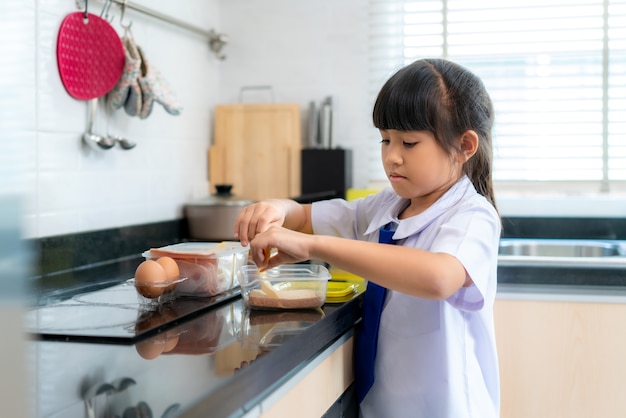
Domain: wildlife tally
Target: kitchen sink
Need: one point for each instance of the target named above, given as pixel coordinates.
(562, 252)
(559, 248)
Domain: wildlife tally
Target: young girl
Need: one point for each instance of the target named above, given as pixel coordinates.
(436, 353)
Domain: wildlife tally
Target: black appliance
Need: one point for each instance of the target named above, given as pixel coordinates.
(325, 174)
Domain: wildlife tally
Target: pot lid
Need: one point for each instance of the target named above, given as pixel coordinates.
(223, 196)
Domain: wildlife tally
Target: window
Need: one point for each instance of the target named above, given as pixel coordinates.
(555, 69)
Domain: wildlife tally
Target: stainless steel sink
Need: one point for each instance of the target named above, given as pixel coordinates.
(563, 252)
(559, 248)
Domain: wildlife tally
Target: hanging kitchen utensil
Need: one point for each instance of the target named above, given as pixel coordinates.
(134, 103)
(90, 55)
(90, 137)
(127, 92)
(154, 88)
(124, 143)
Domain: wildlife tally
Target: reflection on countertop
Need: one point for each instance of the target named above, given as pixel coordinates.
(227, 357)
(116, 314)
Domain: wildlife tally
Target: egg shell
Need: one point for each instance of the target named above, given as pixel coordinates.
(150, 349)
(150, 278)
(172, 272)
(170, 343)
(153, 347)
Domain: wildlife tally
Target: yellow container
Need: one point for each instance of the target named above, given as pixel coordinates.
(343, 286)
(353, 194)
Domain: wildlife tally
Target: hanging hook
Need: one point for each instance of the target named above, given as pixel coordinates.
(104, 13)
(127, 26)
(86, 14)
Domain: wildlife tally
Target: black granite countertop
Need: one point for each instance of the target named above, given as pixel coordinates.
(97, 350)
(217, 362)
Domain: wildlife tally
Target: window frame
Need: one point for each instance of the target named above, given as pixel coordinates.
(572, 195)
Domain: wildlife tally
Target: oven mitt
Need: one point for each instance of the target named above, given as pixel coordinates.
(120, 95)
(133, 103)
(154, 88)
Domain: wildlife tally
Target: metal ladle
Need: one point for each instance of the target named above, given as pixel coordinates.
(89, 136)
(123, 142)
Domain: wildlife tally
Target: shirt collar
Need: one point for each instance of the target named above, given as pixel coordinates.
(415, 224)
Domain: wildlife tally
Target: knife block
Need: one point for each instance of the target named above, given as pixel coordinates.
(326, 173)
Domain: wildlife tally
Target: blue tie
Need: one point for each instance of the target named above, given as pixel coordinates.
(366, 338)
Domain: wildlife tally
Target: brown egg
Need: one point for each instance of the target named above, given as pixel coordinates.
(150, 348)
(172, 271)
(170, 343)
(149, 279)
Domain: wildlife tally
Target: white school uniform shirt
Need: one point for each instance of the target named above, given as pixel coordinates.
(436, 358)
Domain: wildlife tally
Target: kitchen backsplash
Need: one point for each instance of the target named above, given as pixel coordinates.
(305, 50)
(71, 188)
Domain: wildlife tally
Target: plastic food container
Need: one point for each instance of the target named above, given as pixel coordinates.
(205, 334)
(206, 268)
(297, 286)
(267, 329)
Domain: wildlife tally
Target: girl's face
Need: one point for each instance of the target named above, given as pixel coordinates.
(418, 167)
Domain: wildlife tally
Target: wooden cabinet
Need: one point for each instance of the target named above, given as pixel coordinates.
(257, 150)
(561, 359)
(312, 392)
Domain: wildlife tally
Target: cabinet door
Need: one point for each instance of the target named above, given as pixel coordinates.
(313, 391)
(257, 150)
(561, 359)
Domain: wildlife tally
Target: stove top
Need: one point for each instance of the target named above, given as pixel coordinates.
(115, 315)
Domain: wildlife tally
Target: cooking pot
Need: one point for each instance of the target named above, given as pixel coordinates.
(213, 218)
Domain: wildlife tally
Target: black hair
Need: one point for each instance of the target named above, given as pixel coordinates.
(446, 99)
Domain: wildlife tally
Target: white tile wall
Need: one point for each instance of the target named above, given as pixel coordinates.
(71, 188)
(305, 50)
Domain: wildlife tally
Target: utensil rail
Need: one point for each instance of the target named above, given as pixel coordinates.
(209, 34)
(216, 40)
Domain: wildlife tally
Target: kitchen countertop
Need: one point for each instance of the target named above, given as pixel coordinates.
(221, 363)
(225, 360)
(562, 293)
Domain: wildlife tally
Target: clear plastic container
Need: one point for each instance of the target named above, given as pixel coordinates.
(206, 268)
(268, 329)
(289, 286)
(205, 334)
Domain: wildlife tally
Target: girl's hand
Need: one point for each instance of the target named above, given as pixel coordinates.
(292, 247)
(257, 218)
